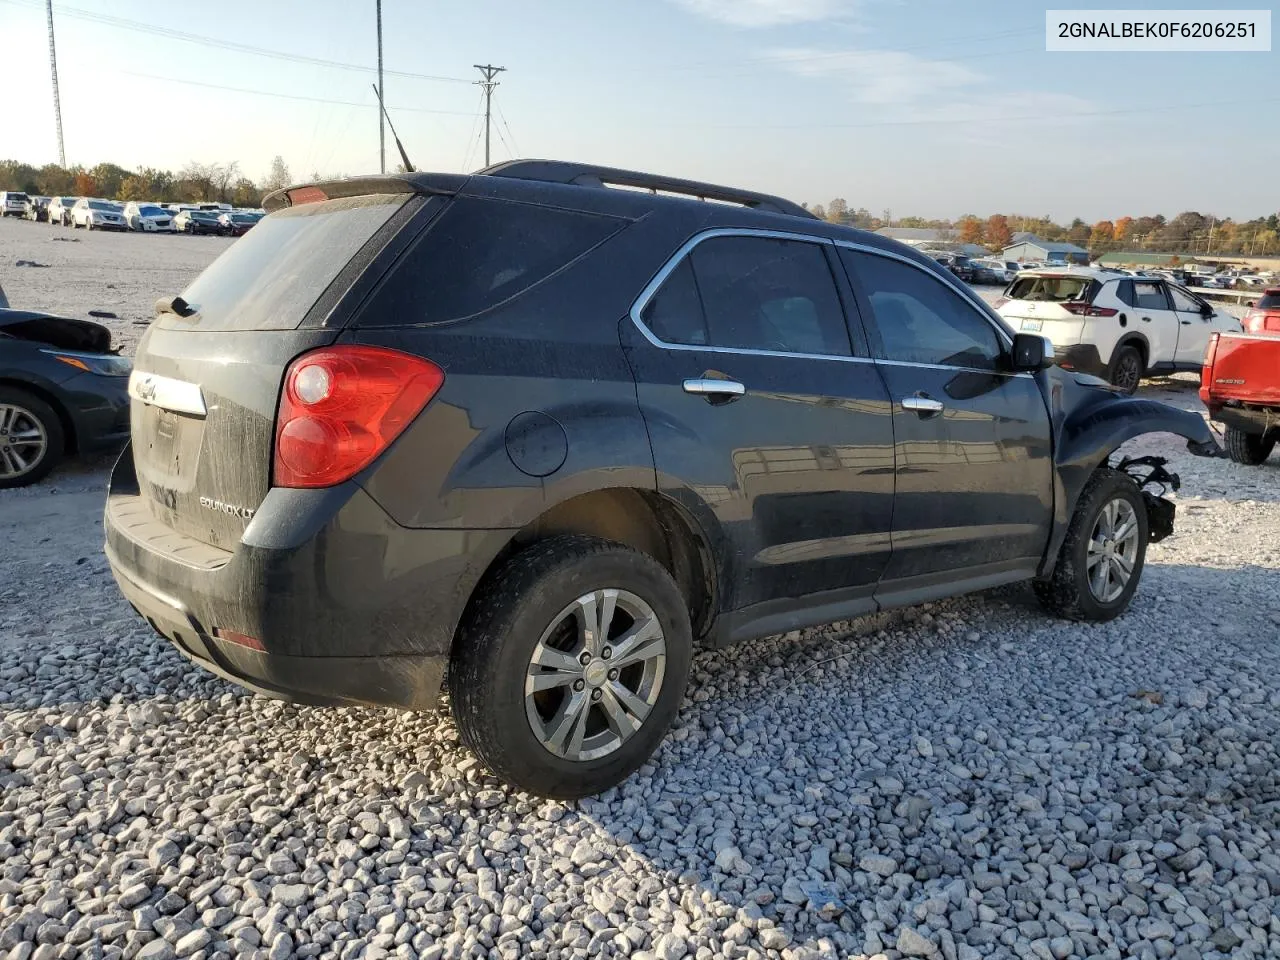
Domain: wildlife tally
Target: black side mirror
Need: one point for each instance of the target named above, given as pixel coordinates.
(1031, 352)
(1206, 311)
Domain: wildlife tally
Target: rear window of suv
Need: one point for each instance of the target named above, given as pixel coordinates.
(1052, 289)
(276, 272)
(1269, 301)
(480, 253)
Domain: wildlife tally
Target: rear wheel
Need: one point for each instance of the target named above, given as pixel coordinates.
(570, 666)
(1126, 369)
(1250, 449)
(31, 438)
(1101, 560)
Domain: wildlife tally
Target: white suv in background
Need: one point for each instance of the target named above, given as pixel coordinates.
(148, 218)
(1113, 326)
(97, 215)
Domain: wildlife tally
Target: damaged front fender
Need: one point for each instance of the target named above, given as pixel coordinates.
(1090, 421)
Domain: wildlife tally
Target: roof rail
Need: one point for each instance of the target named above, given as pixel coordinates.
(589, 175)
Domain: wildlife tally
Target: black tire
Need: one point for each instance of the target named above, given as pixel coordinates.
(1126, 369)
(55, 438)
(1067, 592)
(505, 623)
(1251, 449)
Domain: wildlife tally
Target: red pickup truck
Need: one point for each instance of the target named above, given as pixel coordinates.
(1240, 384)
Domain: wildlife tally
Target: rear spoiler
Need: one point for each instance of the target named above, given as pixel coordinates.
(445, 184)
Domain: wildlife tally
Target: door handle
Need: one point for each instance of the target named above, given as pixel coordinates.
(923, 405)
(714, 389)
(1146, 319)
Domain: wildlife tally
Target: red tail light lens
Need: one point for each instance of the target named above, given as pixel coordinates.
(306, 195)
(342, 406)
(1206, 370)
(1082, 308)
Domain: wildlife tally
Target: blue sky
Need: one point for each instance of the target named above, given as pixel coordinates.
(922, 107)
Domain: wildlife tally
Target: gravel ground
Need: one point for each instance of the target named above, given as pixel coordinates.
(963, 779)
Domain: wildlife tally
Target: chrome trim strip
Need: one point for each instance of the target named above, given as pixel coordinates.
(178, 396)
(709, 387)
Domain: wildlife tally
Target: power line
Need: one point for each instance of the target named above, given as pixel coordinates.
(488, 83)
(290, 96)
(168, 33)
(503, 117)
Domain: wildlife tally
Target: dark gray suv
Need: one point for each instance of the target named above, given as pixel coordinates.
(533, 439)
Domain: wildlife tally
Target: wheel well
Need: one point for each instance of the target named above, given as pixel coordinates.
(1139, 342)
(71, 445)
(642, 520)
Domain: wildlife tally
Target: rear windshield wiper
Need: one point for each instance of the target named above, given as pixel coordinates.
(175, 305)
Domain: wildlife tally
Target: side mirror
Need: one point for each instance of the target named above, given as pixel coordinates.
(1206, 311)
(1031, 352)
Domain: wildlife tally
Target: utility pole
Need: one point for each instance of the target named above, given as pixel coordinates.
(488, 83)
(382, 128)
(57, 102)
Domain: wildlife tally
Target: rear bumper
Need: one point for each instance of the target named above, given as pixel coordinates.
(1080, 358)
(407, 682)
(349, 606)
(1256, 420)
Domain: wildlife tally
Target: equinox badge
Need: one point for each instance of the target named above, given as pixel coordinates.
(231, 509)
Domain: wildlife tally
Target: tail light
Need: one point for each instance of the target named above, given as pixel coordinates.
(342, 406)
(1206, 369)
(1082, 308)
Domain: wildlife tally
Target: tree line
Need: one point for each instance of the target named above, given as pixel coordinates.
(1188, 233)
(195, 183)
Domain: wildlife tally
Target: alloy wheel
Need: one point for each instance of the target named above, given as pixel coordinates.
(1113, 550)
(595, 675)
(23, 441)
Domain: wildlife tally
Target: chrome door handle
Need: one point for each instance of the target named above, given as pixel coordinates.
(709, 387)
(922, 405)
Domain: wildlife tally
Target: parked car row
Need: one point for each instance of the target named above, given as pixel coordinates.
(140, 216)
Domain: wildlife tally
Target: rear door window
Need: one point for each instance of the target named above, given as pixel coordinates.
(275, 273)
(481, 253)
(752, 293)
(1149, 296)
(1269, 301)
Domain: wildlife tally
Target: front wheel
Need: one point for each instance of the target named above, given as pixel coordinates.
(1251, 449)
(1126, 370)
(1101, 560)
(570, 666)
(31, 438)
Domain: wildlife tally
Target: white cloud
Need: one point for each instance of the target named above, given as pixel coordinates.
(907, 88)
(769, 13)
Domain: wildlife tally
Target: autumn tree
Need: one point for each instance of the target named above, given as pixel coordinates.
(278, 177)
(1121, 229)
(109, 177)
(837, 211)
(970, 229)
(997, 232)
(85, 185)
(1104, 231)
(134, 188)
(245, 193)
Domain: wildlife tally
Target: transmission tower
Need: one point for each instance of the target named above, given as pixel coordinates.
(57, 102)
(488, 83)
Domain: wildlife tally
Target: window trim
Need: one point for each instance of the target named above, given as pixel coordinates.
(651, 289)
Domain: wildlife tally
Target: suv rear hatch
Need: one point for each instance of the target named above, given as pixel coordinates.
(1054, 304)
(208, 372)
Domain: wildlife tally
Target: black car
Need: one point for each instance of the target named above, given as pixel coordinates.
(536, 439)
(37, 209)
(198, 222)
(62, 390)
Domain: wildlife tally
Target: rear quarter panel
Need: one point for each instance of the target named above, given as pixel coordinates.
(1242, 367)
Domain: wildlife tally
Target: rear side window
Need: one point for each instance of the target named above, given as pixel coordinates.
(1149, 296)
(1051, 289)
(480, 253)
(271, 277)
(1124, 292)
(1269, 301)
(752, 293)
